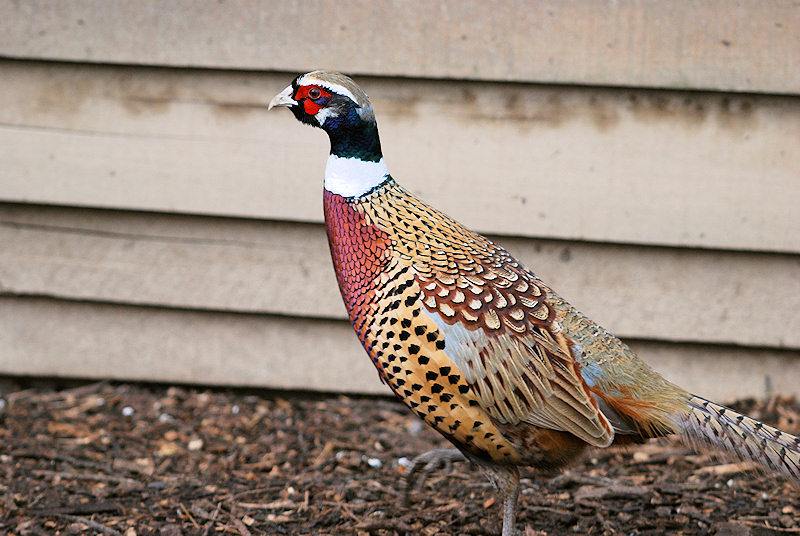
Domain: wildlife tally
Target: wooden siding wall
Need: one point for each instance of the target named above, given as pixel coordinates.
(157, 223)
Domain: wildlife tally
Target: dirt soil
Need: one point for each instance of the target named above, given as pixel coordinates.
(135, 460)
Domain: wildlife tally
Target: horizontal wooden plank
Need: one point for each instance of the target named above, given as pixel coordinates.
(751, 45)
(57, 338)
(285, 268)
(700, 170)
(54, 338)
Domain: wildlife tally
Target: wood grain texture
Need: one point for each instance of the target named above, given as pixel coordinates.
(60, 338)
(696, 170)
(284, 268)
(750, 45)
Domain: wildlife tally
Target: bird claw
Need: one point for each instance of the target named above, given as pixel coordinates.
(426, 463)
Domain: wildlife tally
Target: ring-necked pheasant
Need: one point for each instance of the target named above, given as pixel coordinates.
(473, 342)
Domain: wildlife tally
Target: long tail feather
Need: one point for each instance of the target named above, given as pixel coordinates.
(740, 436)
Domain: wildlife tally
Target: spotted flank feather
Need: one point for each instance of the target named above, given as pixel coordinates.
(742, 437)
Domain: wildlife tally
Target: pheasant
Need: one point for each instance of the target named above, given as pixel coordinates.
(474, 342)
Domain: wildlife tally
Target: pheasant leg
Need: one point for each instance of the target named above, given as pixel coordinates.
(510, 511)
(426, 463)
(506, 480)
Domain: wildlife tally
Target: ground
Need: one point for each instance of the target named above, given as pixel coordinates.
(135, 460)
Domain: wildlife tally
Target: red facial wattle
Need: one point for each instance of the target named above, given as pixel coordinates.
(311, 105)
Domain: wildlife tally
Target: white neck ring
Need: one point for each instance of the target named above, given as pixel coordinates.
(352, 177)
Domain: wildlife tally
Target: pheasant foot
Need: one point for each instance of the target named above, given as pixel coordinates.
(426, 463)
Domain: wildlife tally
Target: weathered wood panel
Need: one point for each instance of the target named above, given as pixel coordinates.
(57, 338)
(285, 268)
(750, 45)
(700, 170)
(54, 338)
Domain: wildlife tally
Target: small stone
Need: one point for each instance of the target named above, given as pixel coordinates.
(375, 463)
(167, 448)
(415, 427)
(127, 411)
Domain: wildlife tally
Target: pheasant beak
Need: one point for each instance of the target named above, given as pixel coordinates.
(284, 98)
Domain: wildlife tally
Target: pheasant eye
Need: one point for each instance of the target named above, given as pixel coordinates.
(314, 93)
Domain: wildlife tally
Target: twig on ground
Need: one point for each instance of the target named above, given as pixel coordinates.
(93, 524)
(87, 476)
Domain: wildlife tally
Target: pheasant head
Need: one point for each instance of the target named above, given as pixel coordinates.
(333, 102)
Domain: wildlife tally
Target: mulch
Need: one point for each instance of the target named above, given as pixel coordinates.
(126, 459)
